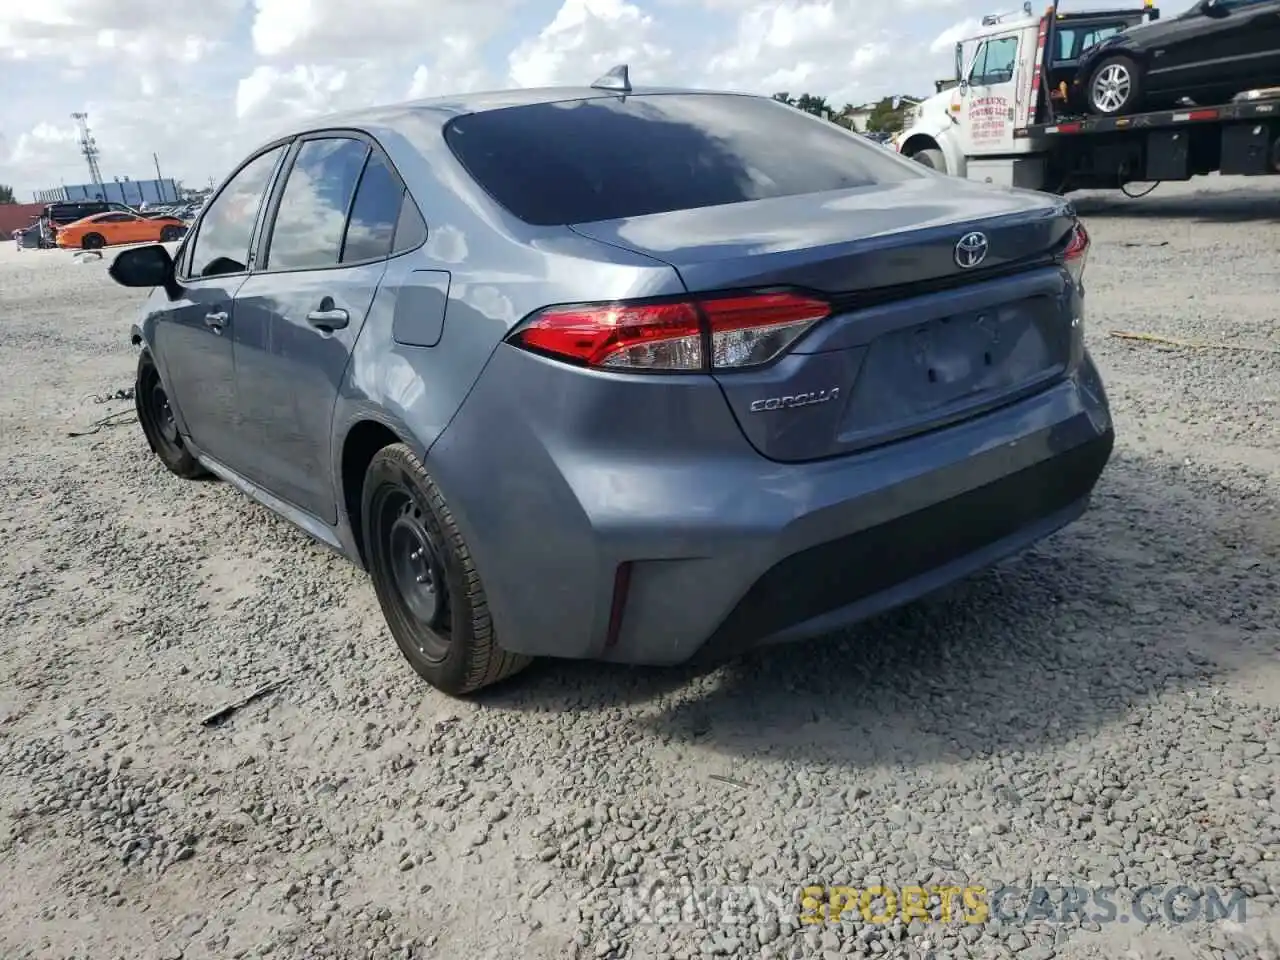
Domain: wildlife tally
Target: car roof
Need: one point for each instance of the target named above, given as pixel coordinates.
(445, 108)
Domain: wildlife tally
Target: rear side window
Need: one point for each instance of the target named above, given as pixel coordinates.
(372, 226)
(312, 217)
(1072, 42)
(585, 160)
(411, 229)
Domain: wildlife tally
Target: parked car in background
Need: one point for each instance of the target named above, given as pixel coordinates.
(69, 211)
(563, 392)
(115, 227)
(1208, 54)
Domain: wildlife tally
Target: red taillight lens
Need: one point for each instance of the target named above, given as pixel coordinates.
(656, 336)
(1077, 251)
(744, 330)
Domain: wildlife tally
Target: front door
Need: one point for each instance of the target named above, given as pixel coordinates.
(1216, 51)
(193, 339)
(300, 312)
(989, 98)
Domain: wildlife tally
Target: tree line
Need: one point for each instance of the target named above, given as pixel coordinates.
(887, 115)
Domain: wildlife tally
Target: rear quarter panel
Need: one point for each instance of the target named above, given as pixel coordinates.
(495, 269)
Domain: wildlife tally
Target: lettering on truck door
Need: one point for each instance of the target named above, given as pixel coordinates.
(988, 101)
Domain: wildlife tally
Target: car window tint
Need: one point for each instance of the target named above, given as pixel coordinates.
(578, 161)
(411, 229)
(222, 242)
(373, 214)
(313, 208)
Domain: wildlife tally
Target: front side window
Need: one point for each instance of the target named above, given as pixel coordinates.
(995, 62)
(222, 243)
(312, 217)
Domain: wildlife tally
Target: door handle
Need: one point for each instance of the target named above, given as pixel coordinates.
(216, 321)
(334, 319)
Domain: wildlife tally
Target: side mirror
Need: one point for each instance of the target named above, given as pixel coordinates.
(963, 86)
(149, 266)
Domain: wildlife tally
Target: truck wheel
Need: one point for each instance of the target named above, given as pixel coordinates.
(1115, 87)
(932, 158)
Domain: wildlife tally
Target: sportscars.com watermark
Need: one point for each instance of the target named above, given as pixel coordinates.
(669, 905)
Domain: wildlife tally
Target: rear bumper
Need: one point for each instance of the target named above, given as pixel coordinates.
(727, 550)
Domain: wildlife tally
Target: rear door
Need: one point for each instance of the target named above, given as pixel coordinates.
(1195, 52)
(1253, 47)
(192, 339)
(990, 96)
(299, 314)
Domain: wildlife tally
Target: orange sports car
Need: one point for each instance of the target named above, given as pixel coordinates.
(106, 229)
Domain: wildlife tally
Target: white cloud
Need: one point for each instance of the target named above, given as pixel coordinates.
(585, 39)
(283, 95)
(949, 37)
(323, 29)
(199, 81)
(457, 69)
(90, 31)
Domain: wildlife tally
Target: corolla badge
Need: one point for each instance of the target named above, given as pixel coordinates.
(971, 250)
(795, 400)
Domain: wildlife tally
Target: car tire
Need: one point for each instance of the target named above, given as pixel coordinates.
(1115, 87)
(155, 414)
(92, 241)
(426, 582)
(168, 234)
(931, 157)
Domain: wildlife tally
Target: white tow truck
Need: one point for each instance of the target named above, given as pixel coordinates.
(1004, 120)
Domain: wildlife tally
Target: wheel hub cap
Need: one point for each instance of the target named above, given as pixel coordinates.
(1111, 89)
(164, 416)
(416, 569)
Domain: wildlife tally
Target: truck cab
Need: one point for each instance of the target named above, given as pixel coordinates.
(967, 128)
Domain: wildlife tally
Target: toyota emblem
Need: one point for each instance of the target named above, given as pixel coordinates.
(971, 250)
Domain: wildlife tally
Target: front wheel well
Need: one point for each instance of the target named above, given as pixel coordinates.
(918, 142)
(363, 440)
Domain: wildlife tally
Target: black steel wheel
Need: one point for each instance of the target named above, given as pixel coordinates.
(159, 425)
(413, 556)
(427, 586)
(92, 241)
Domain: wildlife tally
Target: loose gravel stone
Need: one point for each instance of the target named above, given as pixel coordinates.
(1101, 712)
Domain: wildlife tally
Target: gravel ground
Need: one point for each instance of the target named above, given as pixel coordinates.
(1101, 712)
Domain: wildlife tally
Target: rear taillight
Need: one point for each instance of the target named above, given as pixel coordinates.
(1077, 252)
(697, 334)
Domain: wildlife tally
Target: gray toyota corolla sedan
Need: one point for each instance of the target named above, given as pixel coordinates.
(636, 375)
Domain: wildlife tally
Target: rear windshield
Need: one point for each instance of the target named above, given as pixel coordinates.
(585, 160)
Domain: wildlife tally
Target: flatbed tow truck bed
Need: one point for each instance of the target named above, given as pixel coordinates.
(1155, 119)
(1239, 138)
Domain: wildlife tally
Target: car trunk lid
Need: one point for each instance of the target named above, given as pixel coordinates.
(915, 340)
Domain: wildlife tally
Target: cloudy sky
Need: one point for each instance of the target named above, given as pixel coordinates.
(199, 81)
